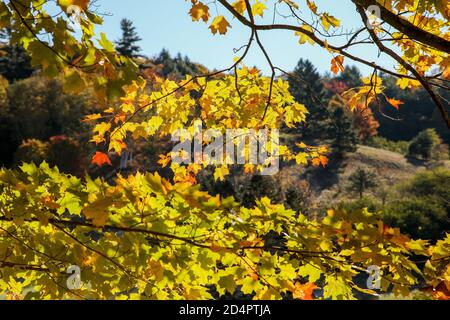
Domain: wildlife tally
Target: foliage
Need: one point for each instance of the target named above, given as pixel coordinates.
(341, 132)
(63, 152)
(423, 209)
(361, 180)
(351, 77)
(417, 217)
(127, 44)
(31, 150)
(365, 202)
(401, 147)
(218, 105)
(418, 113)
(430, 183)
(155, 239)
(297, 199)
(177, 67)
(67, 154)
(258, 187)
(305, 85)
(427, 146)
(145, 237)
(3, 94)
(366, 124)
(15, 63)
(38, 108)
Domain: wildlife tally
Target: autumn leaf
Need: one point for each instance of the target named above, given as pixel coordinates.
(303, 291)
(121, 117)
(303, 38)
(312, 6)
(98, 211)
(258, 9)
(328, 20)
(220, 173)
(249, 168)
(321, 160)
(337, 64)
(117, 145)
(240, 6)
(395, 103)
(83, 4)
(164, 160)
(219, 24)
(199, 11)
(92, 117)
(100, 159)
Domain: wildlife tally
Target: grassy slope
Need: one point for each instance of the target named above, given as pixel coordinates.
(329, 185)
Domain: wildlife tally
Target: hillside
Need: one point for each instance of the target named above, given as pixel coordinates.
(328, 185)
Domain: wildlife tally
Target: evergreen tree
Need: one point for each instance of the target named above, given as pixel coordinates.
(361, 180)
(341, 132)
(126, 46)
(351, 76)
(15, 63)
(307, 88)
(177, 67)
(258, 187)
(428, 145)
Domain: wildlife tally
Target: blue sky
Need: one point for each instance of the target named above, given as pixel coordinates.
(166, 24)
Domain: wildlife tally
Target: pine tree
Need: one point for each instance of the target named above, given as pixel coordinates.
(15, 63)
(177, 67)
(307, 87)
(126, 46)
(341, 132)
(362, 180)
(351, 77)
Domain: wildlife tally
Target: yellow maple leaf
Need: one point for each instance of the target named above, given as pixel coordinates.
(258, 8)
(92, 117)
(240, 6)
(220, 173)
(219, 24)
(199, 11)
(303, 37)
(164, 160)
(83, 4)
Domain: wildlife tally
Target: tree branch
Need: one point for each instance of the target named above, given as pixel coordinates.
(436, 99)
(407, 28)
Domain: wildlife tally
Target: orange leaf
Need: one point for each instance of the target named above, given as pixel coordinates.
(100, 159)
(249, 168)
(337, 64)
(304, 291)
(395, 103)
(121, 117)
(164, 160)
(321, 160)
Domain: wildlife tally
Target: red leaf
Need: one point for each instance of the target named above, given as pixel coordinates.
(100, 159)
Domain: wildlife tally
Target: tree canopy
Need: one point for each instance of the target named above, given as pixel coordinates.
(148, 237)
